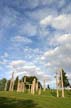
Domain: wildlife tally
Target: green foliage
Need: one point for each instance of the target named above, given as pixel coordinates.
(2, 84)
(65, 79)
(8, 84)
(29, 80)
(48, 86)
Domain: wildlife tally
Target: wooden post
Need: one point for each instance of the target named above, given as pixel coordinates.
(24, 79)
(62, 84)
(33, 86)
(6, 85)
(57, 84)
(39, 91)
(25, 83)
(12, 83)
(36, 86)
(22, 86)
(44, 86)
(18, 87)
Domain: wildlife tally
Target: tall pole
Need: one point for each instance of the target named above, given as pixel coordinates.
(36, 86)
(24, 83)
(6, 85)
(62, 83)
(44, 86)
(12, 83)
(57, 84)
(33, 87)
(24, 79)
(18, 86)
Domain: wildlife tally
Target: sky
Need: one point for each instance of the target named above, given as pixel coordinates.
(35, 38)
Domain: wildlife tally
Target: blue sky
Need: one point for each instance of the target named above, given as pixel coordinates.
(35, 37)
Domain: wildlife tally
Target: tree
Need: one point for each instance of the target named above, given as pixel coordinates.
(48, 87)
(65, 79)
(2, 83)
(29, 80)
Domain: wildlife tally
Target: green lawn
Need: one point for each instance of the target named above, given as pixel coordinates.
(26, 100)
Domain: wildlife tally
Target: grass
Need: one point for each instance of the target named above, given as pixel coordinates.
(26, 100)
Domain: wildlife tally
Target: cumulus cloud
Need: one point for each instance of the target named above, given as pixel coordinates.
(58, 22)
(69, 76)
(60, 56)
(66, 38)
(28, 68)
(60, 39)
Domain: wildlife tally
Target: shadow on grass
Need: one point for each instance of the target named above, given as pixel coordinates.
(12, 103)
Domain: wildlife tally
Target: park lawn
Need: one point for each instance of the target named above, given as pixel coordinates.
(26, 100)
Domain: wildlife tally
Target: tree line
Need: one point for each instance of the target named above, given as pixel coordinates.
(29, 80)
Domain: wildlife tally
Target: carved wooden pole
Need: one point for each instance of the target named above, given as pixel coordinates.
(22, 86)
(6, 85)
(12, 83)
(57, 84)
(39, 91)
(24, 83)
(33, 87)
(62, 83)
(36, 86)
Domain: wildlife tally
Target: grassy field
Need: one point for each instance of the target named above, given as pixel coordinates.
(26, 100)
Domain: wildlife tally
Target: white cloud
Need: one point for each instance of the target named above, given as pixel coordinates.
(60, 39)
(69, 76)
(60, 56)
(32, 54)
(64, 38)
(21, 39)
(47, 20)
(58, 22)
(21, 67)
(17, 63)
